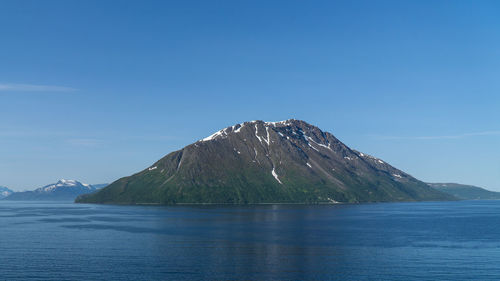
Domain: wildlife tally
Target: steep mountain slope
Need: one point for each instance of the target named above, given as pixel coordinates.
(467, 192)
(62, 190)
(265, 162)
(4, 192)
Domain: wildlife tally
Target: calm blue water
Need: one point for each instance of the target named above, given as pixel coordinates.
(395, 241)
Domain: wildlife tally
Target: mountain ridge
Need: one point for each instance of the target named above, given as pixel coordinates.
(288, 161)
(61, 190)
(465, 191)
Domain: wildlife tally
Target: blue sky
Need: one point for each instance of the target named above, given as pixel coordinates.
(97, 90)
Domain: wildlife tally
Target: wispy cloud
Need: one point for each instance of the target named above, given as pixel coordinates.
(154, 138)
(5, 87)
(85, 142)
(438, 137)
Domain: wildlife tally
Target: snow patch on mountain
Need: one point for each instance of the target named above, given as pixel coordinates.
(237, 128)
(273, 172)
(4, 192)
(64, 184)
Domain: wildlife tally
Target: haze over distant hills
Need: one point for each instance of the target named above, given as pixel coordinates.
(467, 192)
(4, 192)
(61, 190)
(267, 162)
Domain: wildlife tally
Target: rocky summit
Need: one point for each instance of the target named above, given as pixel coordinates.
(266, 162)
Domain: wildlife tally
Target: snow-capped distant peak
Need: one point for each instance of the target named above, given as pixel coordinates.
(4, 192)
(67, 182)
(62, 183)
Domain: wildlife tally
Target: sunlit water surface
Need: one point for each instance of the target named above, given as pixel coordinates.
(394, 241)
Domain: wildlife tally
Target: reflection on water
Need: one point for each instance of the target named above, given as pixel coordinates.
(439, 241)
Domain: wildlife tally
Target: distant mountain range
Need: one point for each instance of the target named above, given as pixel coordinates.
(4, 192)
(267, 162)
(61, 190)
(467, 192)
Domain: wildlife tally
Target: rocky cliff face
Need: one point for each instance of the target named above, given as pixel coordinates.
(267, 162)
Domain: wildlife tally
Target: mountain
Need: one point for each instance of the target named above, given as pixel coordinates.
(100, 185)
(266, 162)
(467, 192)
(62, 190)
(4, 192)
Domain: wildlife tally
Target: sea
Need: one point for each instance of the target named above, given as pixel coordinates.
(382, 241)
